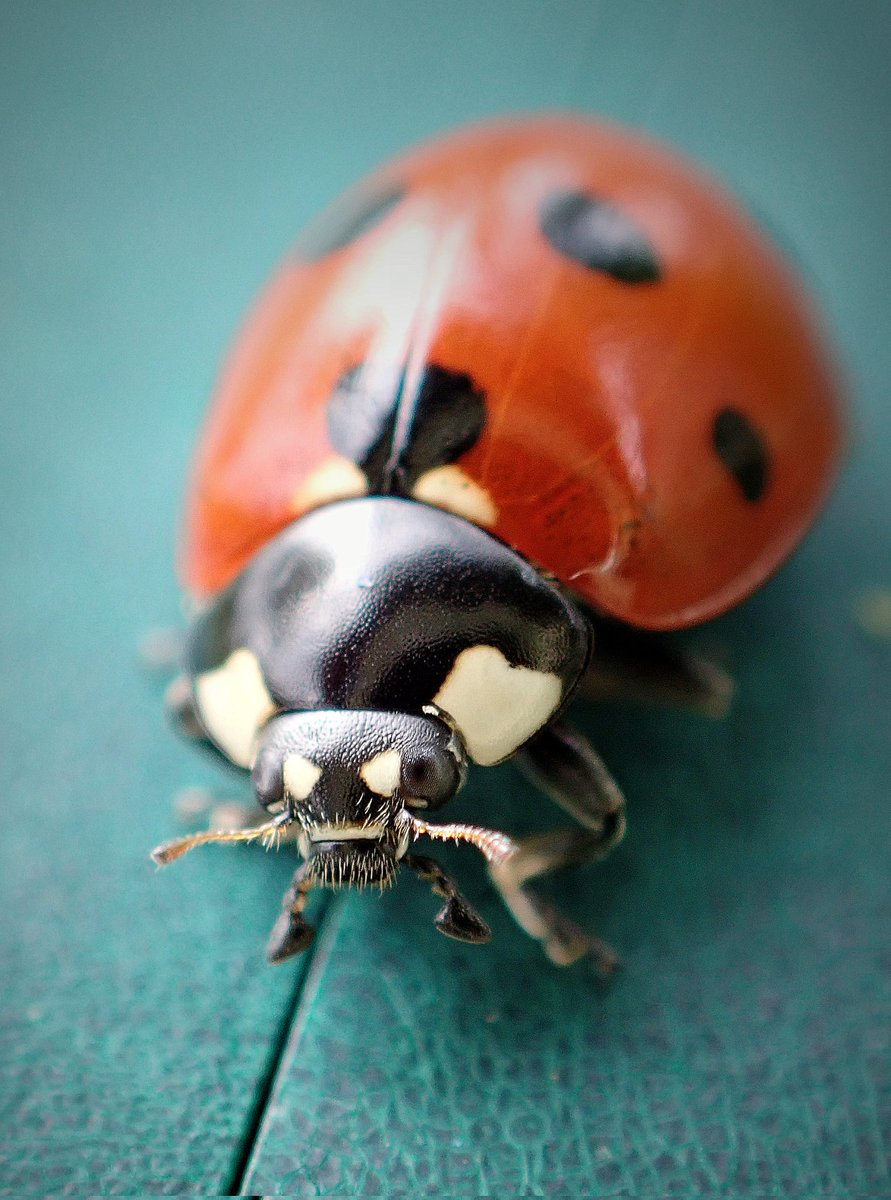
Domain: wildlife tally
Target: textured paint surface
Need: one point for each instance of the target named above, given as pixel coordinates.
(743, 1050)
(156, 163)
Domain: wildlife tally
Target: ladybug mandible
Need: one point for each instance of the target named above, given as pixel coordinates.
(536, 381)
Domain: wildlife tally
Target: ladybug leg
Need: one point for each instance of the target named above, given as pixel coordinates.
(292, 933)
(632, 664)
(457, 918)
(562, 762)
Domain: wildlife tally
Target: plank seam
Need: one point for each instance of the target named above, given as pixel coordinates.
(287, 1041)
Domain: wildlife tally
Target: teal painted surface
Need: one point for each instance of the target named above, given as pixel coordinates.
(156, 161)
(744, 1048)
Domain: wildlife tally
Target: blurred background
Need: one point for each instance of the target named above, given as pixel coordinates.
(157, 160)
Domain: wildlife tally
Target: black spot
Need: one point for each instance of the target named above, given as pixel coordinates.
(742, 450)
(345, 221)
(362, 418)
(599, 236)
(447, 416)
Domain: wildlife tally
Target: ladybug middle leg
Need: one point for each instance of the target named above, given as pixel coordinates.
(562, 762)
(634, 664)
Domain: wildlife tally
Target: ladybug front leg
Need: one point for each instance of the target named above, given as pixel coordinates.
(457, 918)
(292, 933)
(562, 762)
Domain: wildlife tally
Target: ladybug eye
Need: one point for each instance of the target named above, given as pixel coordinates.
(268, 782)
(428, 780)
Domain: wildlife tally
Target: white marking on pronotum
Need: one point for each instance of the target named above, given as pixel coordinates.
(448, 487)
(496, 706)
(300, 776)
(382, 773)
(234, 702)
(336, 479)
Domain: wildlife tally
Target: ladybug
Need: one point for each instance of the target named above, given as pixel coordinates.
(520, 400)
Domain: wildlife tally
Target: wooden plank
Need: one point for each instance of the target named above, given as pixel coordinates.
(139, 1020)
(744, 1048)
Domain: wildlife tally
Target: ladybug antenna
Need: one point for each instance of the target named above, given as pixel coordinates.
(494, 846)
(269, 833)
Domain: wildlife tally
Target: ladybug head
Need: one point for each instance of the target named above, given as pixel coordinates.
(352, 783)
(353, 786)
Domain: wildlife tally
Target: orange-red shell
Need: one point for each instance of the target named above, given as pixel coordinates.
(601, 396)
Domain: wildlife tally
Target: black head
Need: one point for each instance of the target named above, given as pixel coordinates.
(352, 782)
(354, 785)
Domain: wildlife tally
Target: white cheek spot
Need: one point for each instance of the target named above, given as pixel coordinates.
(300, 776)
(496, 706)
(336, 479)
(234, 702)
(449, 488)
(382, 773)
